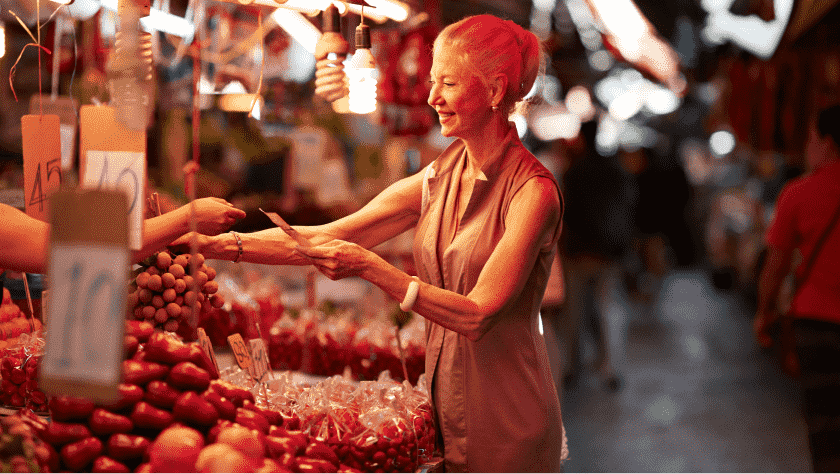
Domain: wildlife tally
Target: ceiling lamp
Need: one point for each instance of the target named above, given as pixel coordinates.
(330, 52)
(362, 71)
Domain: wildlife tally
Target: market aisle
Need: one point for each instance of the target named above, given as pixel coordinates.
(698, 395)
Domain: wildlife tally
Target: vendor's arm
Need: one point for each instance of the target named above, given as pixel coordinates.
(213, 215)
(23, 241)
(500, 282)
(392, 212)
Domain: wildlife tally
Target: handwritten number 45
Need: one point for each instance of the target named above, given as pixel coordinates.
(37, 196)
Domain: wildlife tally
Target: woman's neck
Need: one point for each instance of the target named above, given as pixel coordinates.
(486, 145)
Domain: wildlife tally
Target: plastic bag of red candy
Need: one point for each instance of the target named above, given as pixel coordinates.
(19, 373)
(285, 344)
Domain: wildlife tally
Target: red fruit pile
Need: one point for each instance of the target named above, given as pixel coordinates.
(165, 292)
(13, 322)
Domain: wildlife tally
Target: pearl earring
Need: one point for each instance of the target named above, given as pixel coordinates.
(495, 108)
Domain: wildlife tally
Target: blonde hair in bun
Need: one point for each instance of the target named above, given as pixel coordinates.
(490, 46)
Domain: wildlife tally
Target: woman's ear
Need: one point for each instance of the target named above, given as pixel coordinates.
(498, 86)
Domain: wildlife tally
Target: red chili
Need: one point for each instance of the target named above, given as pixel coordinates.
(124, 447)
(147, 416)
(66, 408)
(106, 464)
(142, 372)
(161, 395)
(103, 422)
(76, 456)
(188, 376)
(193, 409)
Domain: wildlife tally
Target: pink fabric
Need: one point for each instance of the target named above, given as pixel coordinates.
(803, 211)
(496, 404)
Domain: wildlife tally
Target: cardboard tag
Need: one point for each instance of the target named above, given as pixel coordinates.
(207, 347)
(259, 356)
(125, 171)
(240, 351)
(88, 268)
(120, 148)
(67, 109)
(41, 162)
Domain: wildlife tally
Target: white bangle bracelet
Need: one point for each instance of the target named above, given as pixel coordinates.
(410, 295)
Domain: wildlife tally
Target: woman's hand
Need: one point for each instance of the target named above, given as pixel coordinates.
(204, 244)
(213, 215)
(338, 259)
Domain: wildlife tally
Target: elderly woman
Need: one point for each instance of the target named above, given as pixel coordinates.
(487, 219)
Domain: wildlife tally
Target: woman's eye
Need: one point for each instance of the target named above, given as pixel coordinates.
(449, 84)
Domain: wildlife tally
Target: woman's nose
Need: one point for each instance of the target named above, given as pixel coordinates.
(434, 96)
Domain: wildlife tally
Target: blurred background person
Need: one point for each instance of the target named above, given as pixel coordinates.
(598, 229)
(806, 221)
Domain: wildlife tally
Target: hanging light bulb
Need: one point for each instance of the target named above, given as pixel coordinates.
(361, 71)
(2, 39)
(330, 53)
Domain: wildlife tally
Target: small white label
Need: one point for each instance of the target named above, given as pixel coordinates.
(126, 171)
(68, 142)
(86, 313)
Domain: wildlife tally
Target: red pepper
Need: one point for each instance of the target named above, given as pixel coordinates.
(237, 395)
(226, 408)
(213, 433)
(66, 408)
(199, 358)
(188, 376)
(131, 345)
(128, 396)
(320, 450)
(106, 464)
(59, 433)
(18, 376)
(277, 446)
(102, 422)
(193, 409)
(314, 465)
(124, 447)
(149, 417)
(141, 372)
(76, 456)
(166, 349)
(139, 329)
(161, 395)
(251, 419)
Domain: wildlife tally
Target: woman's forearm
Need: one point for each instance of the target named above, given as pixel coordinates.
(449, 309)
(160, 231)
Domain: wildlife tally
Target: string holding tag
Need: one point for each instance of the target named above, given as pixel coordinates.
(262, 67)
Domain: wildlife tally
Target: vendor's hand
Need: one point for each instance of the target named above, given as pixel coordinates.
(337, 259)
(761, 328)
(213, 215)
(204, 245)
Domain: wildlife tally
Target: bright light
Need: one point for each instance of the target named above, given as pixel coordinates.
(298, 27)
(601, 60)
(169, 24)
(394, 10)
(61, 2)
(83, 9)
(2, 39)
(361, 73)
(626, 105)
(722, 143)
(623, 20)
(749, 32)
(233, 87)
(240, 103)
(521, 124)
(606, 140)
(579, 102)
(662, 101)
(552, 123)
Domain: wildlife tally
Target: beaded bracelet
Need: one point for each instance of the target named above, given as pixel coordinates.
(239, 244)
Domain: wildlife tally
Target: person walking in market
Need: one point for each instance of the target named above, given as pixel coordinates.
(806, 219)
(487, 219)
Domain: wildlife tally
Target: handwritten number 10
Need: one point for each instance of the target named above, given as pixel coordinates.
(101, 280)
(103, 176)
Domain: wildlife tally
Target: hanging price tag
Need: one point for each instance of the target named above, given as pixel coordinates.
(112, 155)
(259, 356)
(240, 351)
(125, 171)
(41, 162)
(207, 347)
(88, 267)
(67, 110)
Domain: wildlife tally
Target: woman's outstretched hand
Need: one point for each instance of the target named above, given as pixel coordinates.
(213, 215)
(338, 259)
(203, 245)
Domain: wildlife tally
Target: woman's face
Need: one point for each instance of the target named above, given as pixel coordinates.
(460, 99)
